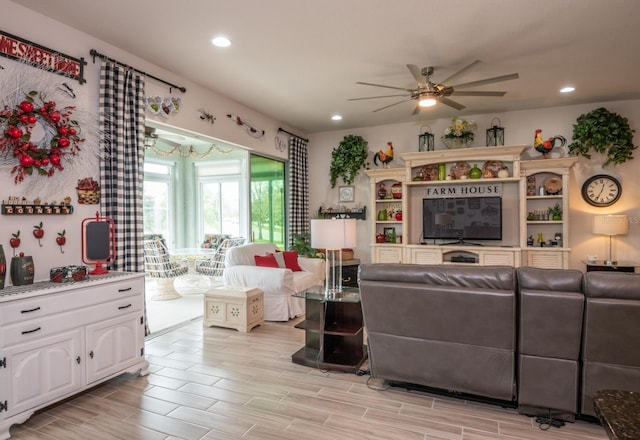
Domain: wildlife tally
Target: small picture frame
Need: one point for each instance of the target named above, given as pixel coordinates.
(346, 193)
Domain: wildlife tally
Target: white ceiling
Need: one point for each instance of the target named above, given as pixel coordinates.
(298, 61)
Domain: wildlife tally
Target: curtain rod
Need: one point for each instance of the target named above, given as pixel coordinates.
(291, 134)
(94, 53)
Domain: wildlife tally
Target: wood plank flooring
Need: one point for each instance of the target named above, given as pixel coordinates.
(218, 384)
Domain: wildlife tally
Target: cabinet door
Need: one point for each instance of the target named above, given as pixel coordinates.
(383, 254)
(113, 345)
(43, 371)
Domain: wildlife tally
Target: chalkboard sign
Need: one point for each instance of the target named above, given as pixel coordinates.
(98, 241)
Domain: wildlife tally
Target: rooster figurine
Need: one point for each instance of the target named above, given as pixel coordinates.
(384, 157)
(545, 147)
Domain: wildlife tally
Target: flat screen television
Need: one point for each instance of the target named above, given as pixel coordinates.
(462, 219)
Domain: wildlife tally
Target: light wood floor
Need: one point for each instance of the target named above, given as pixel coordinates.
(213, 383)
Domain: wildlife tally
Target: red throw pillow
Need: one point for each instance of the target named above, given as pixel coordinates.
(265, 260)
(291, 261)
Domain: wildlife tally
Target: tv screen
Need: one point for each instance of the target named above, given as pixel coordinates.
(462, 218)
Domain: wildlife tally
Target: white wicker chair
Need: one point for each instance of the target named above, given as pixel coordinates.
(214, 265)
(159, 265)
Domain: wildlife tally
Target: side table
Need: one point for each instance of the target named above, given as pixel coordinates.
(333, 331)
(620, 266)
(618, 412)
(240, 308)
(350, 272)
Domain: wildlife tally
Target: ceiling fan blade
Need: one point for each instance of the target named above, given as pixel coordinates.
(380, 85)
(417, 74)
(373, 97)
(488, 81)
(391, 105)
(470, 93)
(451, 103)
(461, 71)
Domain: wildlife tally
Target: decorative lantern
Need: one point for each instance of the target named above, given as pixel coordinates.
(425, 140)
(495, 134)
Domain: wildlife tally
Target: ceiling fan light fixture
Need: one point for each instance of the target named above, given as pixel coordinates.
(427, 102)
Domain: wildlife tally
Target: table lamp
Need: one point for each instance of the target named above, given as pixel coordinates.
(610, 225)
(333, 235)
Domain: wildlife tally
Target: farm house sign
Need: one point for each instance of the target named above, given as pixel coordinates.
(42, 57)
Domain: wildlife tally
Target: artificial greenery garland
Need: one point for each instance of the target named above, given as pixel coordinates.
(603, 132)
(348, 158)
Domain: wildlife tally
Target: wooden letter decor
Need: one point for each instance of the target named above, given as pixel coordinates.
(42, 57)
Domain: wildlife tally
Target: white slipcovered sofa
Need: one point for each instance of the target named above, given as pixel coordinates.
(279, 284)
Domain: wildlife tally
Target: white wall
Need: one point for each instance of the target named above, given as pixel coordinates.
(519, 129)
(47, 32)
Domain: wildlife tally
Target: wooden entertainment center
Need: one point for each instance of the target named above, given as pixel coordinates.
(529, 188)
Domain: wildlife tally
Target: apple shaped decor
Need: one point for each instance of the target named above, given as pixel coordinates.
(38, 232)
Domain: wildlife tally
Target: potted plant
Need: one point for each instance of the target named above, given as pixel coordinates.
(302, 244)
(555, 212)
(348, 158)
(603, 132)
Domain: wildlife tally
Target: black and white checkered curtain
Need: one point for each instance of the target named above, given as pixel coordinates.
(298, 187)
(121, 161)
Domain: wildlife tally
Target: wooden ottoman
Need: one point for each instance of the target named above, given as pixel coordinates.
(241, 308)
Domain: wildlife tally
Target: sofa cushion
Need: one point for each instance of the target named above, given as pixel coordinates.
(291, 260)
(265, 260)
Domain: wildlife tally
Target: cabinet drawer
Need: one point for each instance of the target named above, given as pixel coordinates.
(36, 328)
(81, 296)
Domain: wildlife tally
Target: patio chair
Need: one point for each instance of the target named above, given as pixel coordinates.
(159, 265)
(214, 265)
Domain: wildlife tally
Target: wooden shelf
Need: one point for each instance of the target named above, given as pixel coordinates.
(36, 209)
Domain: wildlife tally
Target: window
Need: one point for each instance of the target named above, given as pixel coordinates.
(268, 201)
(221, 198)
(158, 199)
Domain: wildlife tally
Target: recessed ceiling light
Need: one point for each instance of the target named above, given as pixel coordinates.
(567, 89)
(336, 118)
(221, 41)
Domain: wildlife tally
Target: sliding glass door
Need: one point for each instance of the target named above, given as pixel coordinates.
(268, 207)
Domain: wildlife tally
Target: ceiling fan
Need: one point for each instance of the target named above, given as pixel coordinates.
(428, 93)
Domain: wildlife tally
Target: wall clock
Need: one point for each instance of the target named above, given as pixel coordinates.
(601, 190)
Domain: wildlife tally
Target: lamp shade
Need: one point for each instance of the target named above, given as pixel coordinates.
(610, 224)
(333, 233)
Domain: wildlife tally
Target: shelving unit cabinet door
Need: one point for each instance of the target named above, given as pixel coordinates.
(387, 254)
(113, 345)
(43, 371)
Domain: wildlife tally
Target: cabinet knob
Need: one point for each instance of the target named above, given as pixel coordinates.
(91, 354)
(78, 360)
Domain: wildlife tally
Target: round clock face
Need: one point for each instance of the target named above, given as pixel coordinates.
(601, 190)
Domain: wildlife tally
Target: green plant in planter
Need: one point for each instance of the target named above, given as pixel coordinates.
(302, 244)
(604, 132)
(555, 212)
(348, 158)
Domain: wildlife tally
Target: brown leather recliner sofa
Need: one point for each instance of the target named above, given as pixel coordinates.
(442, 326)
(543, 339)
(611, 339)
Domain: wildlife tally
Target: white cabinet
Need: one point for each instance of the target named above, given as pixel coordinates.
(59, 339)
(388, 204)
(545, 237)
(529, 188)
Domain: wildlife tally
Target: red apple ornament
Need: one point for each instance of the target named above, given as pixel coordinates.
(38, 232)
(61, 240)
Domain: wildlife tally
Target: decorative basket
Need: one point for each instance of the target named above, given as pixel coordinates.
(347, 254)
(88, 196)
(68, 274)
